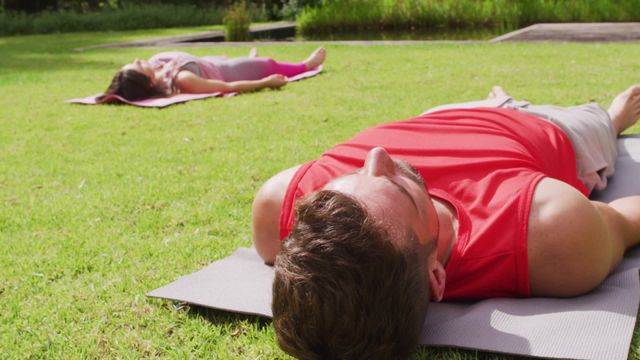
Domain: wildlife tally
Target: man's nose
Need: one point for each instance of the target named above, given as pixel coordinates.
(379, 163)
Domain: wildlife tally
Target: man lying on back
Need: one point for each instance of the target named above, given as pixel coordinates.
(467, 201)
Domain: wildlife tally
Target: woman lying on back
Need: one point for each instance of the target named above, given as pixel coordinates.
(170, 73)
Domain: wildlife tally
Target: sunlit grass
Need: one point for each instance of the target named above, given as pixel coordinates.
(102, 204)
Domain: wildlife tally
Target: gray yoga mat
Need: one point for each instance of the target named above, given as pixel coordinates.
(598, 325)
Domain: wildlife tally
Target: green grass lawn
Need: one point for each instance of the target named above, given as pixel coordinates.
(101, 204)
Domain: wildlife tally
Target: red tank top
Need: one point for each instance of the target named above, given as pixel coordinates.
(486, 162)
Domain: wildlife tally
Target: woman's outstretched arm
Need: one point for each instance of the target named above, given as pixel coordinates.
(188, 82)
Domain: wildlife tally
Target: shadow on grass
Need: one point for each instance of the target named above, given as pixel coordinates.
(39, 64)
(221, 317)
(39, 54)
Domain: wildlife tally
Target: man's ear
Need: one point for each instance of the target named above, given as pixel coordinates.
(437, 277)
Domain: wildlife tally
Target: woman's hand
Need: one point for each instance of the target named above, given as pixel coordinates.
(275, 81)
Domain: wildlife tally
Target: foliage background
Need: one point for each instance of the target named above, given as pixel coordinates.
(438, 15)
(49, 16)
(313, 16)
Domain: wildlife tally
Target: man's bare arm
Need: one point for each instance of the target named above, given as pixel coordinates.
(266, 214)
(575, 243)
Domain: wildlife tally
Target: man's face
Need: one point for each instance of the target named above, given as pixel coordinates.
(395, 195)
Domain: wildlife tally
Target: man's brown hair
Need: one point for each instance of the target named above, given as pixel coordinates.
(342, 290)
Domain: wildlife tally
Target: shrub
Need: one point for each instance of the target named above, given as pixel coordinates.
(129, 17)
(376, 15)
(237, 22)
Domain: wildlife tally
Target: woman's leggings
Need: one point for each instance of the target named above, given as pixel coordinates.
(246, 68)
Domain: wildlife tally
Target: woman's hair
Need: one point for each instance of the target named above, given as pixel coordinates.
(342, 290)
(132, 85)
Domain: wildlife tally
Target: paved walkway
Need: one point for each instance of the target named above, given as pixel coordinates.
(207, 38)
(575, 32)
(579, 32)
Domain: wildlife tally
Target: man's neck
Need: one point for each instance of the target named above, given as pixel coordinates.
(448, 229)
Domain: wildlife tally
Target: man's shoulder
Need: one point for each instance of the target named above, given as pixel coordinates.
(266, 209)
(555, 205)
(566, 233)
(559, 220)
(276, 186)
(553, 197)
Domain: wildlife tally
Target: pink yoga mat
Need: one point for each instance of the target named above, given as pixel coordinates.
(179, 98)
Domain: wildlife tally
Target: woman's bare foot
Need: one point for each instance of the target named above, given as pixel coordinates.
(497, 91)
(253, 52)
(625, 108)
(316, 58)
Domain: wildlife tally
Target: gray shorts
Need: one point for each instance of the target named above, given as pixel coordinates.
(588, 126)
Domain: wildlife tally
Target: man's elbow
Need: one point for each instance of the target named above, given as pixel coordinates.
(266, 209)
(266, 250)
(267, 244)
(266, 233)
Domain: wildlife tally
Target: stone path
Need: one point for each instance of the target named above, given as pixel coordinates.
(578, 32)
(285, 29)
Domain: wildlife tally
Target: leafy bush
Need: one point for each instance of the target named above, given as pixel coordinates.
(47, 16)
(237, 22)
(130, 17)
(375, 15)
